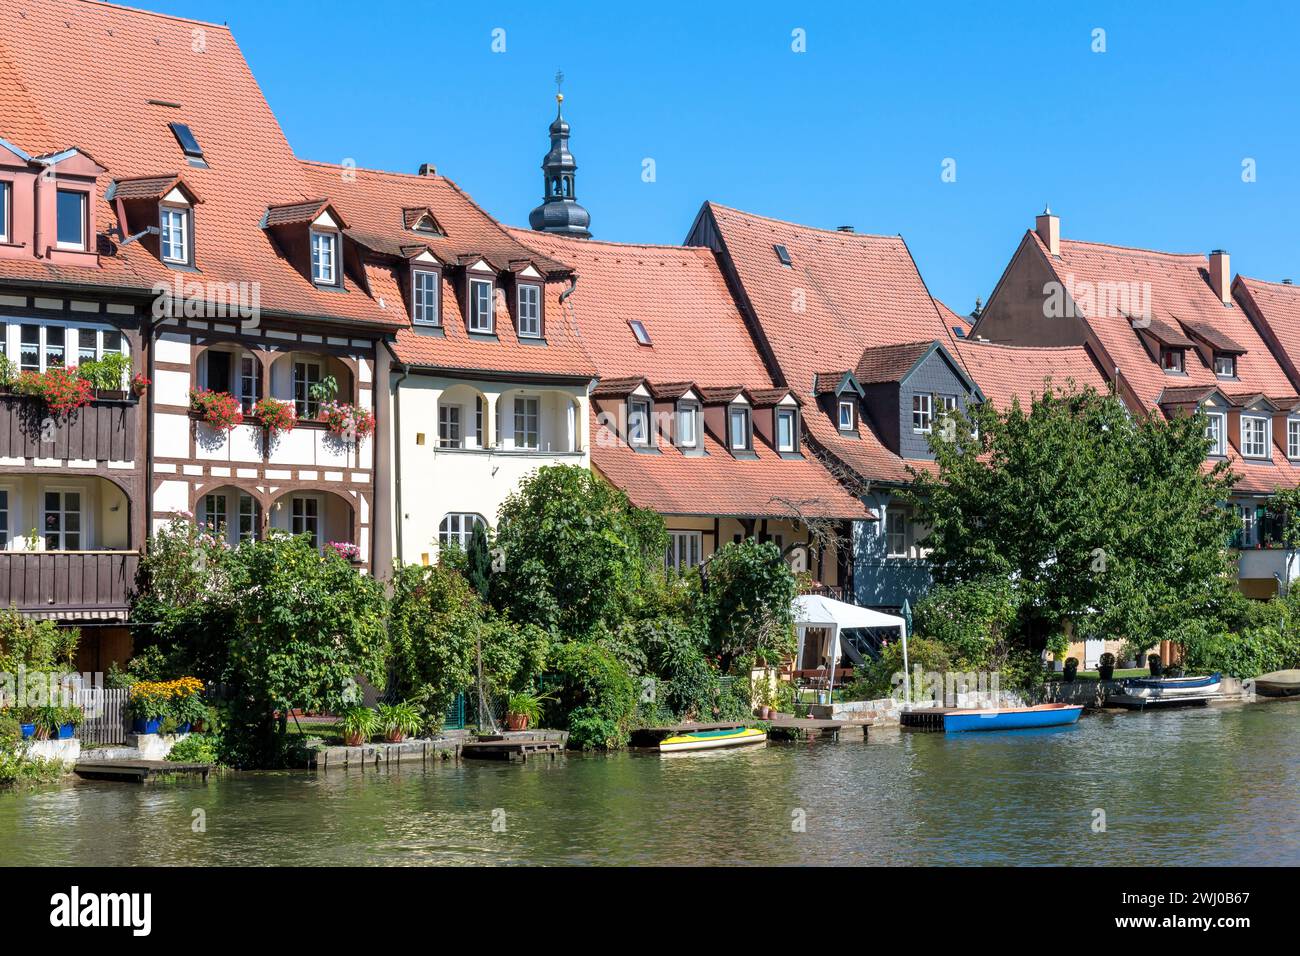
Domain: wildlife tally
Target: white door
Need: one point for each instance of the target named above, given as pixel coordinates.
(1092, 651)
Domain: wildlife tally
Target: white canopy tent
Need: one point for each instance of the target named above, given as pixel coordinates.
(815, 612)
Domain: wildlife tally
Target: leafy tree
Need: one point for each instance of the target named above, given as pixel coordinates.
(479, 560)
(974, 620)
(594, 697)
(747, 602)
(35, 645)
(1088, 511)
(575, 551)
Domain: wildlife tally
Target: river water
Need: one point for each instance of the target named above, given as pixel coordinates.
(1216, 785)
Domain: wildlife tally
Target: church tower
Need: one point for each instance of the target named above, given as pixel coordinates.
(559, 211)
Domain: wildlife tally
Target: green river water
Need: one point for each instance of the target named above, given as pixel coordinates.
(1217, 785)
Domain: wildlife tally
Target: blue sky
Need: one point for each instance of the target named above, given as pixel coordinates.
(1140, 145)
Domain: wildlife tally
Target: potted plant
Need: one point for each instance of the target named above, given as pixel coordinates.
(1153, 664)
(1106, 666)
(140, 384)
(524, 708)
(1071, 669)
(217, 409)
(57, 723)
(276, 416)
(188, 710)
(26, 722)
(398, 721)
(147, 706)
(348, 422)
(359, 725)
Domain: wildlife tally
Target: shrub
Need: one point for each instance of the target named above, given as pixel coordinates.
(747, 602)
(971, 619)
(595, 699)
(884, 675)
(195, 748)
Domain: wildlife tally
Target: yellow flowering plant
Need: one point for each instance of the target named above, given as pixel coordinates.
(151, 700)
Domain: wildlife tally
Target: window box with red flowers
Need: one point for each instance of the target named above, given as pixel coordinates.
(62, 389)
(140, 384)
(276, 416)
(348, 422)
(218, 409)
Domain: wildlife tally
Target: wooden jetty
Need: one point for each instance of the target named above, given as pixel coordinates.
(514, 746)
(139, 771)
(811, 726)
(928, 718)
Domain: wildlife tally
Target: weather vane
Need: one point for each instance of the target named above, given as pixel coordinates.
(559, 86)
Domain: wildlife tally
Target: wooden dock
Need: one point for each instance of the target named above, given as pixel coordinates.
(139, 771)
(514, 746)
(929, 718)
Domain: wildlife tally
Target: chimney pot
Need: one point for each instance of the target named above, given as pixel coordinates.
(843, 228)
(1221, 275)
(1048, 227)
(428, 169)
(1286, 281)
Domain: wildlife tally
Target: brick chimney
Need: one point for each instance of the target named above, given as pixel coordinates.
(1221, 276)
(1048, 228)
(428, 169)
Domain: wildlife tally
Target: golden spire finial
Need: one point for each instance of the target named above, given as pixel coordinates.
(559, 86)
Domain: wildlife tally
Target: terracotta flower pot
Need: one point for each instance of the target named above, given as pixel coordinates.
(394, 736)
(354, 740)
(517, 721)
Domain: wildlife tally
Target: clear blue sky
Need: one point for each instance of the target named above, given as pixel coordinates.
(1140, 145)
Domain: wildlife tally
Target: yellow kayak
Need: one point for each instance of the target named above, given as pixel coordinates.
(707, 739)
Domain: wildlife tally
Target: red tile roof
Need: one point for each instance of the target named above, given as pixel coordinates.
(843, 293)
(1274, 308)
(890, 363)
(100, 76)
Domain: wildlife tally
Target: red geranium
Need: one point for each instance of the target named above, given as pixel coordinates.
(219, 409)
(275, 415)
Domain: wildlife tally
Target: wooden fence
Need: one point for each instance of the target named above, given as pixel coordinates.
(105, 721)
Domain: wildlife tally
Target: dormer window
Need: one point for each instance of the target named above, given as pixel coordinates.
(5, 230)
(174, 235)
(324, 257)
(480, 306)
(1225, 365)
(1254, 437)
(638, 422)
(922, 414)
(1293, 438)
(787, 433)
(71, 221)
(1217, 434)
(688, 420)
(530, 311)
(1171, 359)
(848, 415)
(738, 420)
(424, 298)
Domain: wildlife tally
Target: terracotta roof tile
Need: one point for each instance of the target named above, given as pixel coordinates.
(890, 363)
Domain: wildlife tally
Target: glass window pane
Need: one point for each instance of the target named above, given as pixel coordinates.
(54, 340)
(29, 352)
(71, 216)
(112, 341)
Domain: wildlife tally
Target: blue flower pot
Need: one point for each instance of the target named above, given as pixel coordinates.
(183, 728)
(150, 725)
(29, 731)
(66, 731)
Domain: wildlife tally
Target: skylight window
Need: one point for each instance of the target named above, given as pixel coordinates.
(189, 145)
(638, 329)
(783, 254)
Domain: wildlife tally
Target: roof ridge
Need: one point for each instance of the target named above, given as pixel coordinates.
(1269, 282)
(694, 250)
(1132, 250)
(108, 5)
(420, 177)
(799, 225)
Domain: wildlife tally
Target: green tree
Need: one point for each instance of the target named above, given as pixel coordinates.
(1087, 510)
(478, 566)
(748, 595)
(576, 553)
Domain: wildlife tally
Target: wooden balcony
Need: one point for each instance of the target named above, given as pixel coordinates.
(68, 583)
(104, 430)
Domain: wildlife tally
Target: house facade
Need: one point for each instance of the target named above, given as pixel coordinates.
(156, 223)
(1170, 337)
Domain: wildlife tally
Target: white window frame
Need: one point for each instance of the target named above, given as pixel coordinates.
(740, 439)
(1250, 448)
(685, 550)
(6, 210)
(483, 322)
(251, 514)
(12, 329)
(791, 416)
(174, 234)
(638, 422)
(324, 257)
(530, 310)
(1293, 438)
(1249, 514)
(1231, 361)
(81, 245)
(83, 516)
(249, 377)
(1216, 429)
(464, 522)
(222, 527)
(896, 527)
(528, 422)
(424, 300)
(1181, 354)
(851, 422)
(688, 435)
(304, 406)
(450, 431)
(301, 521)
(6, 499)
(922, 413)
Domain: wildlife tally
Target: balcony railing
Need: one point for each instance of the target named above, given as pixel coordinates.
(67, 582)
(101, 431)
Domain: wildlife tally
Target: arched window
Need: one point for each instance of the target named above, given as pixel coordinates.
(456, 529)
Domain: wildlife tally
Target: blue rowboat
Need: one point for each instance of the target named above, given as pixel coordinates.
(1011, 718)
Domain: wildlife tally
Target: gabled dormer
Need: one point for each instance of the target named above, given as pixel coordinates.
(777, 420)
(912, 390)
(157, 212)
(66, 227)
(479, 296)
(1167, 346)
(311, 235)
(729, 415)
(17, 193)
(425, 284)
(1218, 351)
(679, 411)
(422, 221)
(1215, 403)
(625, 408)
(526, 301)
(1250, 425)
(839, 395)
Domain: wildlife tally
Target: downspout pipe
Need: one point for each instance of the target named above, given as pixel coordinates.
(397, 457)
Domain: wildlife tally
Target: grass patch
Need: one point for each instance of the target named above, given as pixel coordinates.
(1120, 674)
